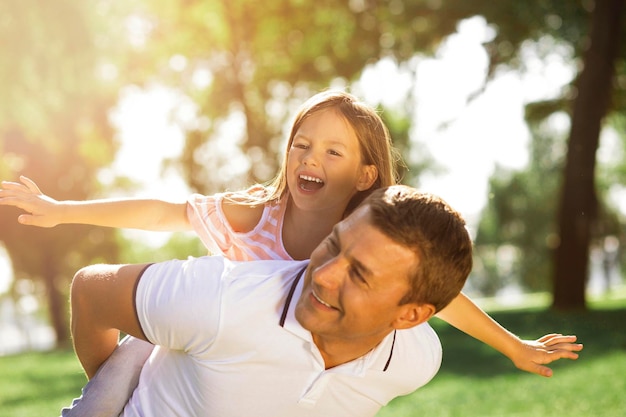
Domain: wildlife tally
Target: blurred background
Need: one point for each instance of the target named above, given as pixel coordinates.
(514, 112)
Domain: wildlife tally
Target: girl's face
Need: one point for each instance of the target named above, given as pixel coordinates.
(324, 168)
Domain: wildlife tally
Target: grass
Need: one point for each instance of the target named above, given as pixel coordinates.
(474, 381)
(38, 384)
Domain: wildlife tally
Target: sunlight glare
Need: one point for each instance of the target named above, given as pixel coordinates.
(149, 130)
(6, 271)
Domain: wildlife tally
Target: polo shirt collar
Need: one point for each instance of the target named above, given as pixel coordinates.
(372, 360)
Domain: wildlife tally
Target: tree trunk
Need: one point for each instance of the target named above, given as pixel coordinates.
(57, 305)
(578, 204)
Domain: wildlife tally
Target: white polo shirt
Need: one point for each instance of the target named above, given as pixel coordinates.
(223, 351)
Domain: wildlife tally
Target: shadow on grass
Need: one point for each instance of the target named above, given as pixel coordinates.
(602, 331)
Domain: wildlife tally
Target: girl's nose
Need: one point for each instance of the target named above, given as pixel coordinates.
(310, 158)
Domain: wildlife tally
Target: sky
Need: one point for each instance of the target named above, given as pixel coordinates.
(477, 135)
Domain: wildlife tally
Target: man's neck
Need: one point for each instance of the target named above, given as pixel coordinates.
(335, 352)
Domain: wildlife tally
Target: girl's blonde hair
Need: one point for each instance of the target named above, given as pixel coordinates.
(373, 136)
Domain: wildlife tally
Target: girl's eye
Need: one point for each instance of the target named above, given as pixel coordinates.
(299, 146)
(334, 153)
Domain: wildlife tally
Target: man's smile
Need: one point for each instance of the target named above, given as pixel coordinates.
(322, 302)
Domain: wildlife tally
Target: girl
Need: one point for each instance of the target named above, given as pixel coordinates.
(338, 151)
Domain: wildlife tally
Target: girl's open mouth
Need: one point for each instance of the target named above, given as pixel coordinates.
(309, 183)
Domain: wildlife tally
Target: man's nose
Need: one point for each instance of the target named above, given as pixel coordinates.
(329, 275)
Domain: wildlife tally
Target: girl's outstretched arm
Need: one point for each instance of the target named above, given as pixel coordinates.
(44, 211)
(527, 355)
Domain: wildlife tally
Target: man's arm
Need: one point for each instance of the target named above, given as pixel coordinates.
(102, 304)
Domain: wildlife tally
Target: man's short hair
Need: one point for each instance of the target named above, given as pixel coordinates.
(437, 234)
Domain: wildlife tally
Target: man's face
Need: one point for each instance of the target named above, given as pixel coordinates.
(354, 283)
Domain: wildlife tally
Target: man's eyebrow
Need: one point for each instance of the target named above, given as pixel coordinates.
(334, 234)
(360, 266)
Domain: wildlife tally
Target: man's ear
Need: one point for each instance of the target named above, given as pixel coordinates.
(412, 314)
(368, 176)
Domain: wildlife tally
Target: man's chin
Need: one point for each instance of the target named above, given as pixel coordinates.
(305, 313)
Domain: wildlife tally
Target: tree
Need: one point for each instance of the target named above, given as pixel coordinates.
(279, 51)
(54, 128)
(520, 216)
(579, 206)
(254, 62)
(243, 63)
(588, 101)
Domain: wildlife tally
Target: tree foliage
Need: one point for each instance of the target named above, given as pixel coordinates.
(592, 30)
(245, 66)
(260, 55)
(254, 62)
(54, 129)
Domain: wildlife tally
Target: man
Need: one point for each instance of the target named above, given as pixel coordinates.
(286, 338)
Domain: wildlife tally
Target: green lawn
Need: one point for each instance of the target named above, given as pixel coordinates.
(474, 380)
(38, 384)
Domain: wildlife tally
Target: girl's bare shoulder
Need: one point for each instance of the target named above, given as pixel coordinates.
(243, 210)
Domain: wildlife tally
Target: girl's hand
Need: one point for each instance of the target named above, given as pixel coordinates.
(533, 355)
(43, 210)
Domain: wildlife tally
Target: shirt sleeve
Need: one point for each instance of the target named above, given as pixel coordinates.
(207, 218)
(178, 303)
(208, 221)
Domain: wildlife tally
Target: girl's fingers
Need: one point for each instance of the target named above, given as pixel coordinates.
(30, 184)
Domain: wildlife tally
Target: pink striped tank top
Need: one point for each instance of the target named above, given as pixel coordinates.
(263, 242)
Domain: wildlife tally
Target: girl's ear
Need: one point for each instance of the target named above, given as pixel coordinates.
(369, 175)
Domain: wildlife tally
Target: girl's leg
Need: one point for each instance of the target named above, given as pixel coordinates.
(106, 394)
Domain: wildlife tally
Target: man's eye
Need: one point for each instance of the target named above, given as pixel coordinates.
(332, 246)
(354, 273)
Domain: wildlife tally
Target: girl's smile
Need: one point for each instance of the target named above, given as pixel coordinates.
(309, 183)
